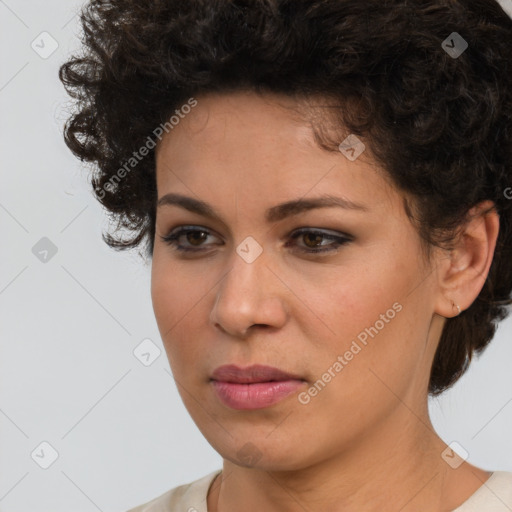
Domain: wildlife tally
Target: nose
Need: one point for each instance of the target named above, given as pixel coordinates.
(250, 294)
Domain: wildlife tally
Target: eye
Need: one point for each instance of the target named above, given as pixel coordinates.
(313, 240)
(194, 237)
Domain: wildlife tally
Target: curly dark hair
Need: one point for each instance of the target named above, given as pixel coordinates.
(438, 122)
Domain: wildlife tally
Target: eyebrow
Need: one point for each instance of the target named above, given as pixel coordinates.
(273, 214)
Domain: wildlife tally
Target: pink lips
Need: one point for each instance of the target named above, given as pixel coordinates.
(254, 387)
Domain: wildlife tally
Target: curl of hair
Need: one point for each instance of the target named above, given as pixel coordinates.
(441, 127)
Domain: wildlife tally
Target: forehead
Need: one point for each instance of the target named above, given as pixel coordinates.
(259, 147)
(243, 119)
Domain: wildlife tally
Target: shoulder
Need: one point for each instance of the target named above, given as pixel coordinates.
(189, 497)
(495, 495)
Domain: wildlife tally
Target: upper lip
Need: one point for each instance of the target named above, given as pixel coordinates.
(251, 374)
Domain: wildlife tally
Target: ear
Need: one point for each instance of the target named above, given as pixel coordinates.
(463, 274)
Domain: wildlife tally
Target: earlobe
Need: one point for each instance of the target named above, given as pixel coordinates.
(466, 270)
(459, 311)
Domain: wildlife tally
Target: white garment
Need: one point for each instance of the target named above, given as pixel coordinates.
(495, 495)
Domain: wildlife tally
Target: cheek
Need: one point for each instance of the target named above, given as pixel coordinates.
(170, 297)
(174, 289)
(164, 287)
(369, 316)
(179, 299)
(352, 299)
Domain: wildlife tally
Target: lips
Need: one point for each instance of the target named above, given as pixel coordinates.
(252, 374)
(255, 387)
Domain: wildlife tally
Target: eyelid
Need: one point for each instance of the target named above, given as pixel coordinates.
(323, 231)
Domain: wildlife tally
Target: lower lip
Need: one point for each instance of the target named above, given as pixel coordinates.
(255, 396)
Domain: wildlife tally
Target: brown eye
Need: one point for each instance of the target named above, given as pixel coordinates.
(196, 237)
(193, 239)
(312, 239)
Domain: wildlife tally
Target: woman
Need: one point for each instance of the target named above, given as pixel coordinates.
(323, 187)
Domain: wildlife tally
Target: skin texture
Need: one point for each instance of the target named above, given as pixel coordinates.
(365, 441)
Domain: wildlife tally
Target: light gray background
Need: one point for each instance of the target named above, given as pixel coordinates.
(68, 327)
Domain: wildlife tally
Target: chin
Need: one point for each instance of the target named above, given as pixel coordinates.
(261, 452)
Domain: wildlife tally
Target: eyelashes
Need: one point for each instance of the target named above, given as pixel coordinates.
(196, 235)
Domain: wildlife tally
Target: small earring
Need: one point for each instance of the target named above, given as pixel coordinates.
(457, 306)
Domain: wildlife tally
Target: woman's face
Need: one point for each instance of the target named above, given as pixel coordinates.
(352, 323)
